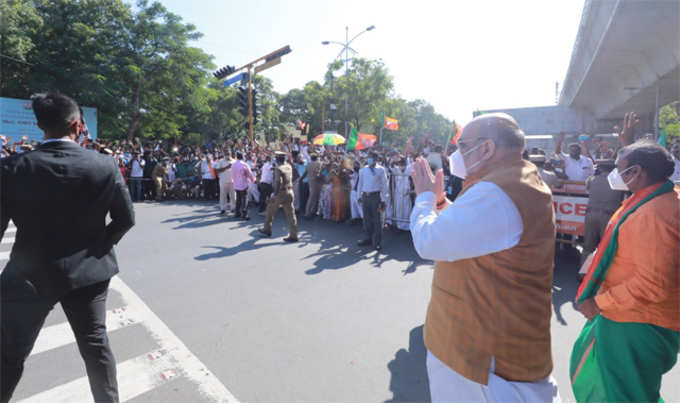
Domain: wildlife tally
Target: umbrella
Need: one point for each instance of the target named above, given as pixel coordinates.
(329, 139)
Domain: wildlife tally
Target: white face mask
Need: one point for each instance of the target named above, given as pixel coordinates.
(615, 180)
(457, 163)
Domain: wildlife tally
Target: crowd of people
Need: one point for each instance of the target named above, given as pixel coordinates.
(326, 179)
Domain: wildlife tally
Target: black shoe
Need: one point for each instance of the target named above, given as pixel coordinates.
(378, 247)
(245, 218)
(290, 239)
(364, 242)
(222, 212)
(263, 232)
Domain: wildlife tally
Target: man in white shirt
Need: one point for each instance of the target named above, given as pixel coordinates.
(372, 189)
(487, 329)
(222, 168)
(549, 177)
(136, 176)
(576, 166)
(266, 179)
(208, 180)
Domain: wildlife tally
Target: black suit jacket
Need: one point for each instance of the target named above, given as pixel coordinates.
(58, 196)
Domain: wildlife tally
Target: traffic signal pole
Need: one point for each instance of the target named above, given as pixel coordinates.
(270, 60)
(250, 105)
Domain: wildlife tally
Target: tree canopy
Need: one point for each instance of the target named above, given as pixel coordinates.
(138, 68)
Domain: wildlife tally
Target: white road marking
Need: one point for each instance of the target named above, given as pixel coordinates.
(10, 230)
(7, 240)
(138, 375)
(189, 365)
(61, 335)
(135, 377)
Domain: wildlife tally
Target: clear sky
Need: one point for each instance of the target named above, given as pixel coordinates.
(458, 55)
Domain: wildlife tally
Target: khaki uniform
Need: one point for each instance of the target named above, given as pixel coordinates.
(282, 197)
(157, 178)
(602, 203)
(313, 173)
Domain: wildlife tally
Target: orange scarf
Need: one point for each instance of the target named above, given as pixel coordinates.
(626, 206)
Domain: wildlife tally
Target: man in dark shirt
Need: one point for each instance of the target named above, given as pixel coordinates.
(58, 197)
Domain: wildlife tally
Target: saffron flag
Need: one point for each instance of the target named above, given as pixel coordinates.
(457, 130)
(302, 125)
(359, 141)
(390, 123)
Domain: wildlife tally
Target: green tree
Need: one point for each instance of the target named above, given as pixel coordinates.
(19, 23)
(669, 120)
(367, 85)
(136, 68)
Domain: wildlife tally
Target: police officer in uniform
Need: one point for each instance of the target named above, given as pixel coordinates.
(282, 197)
(602, 203)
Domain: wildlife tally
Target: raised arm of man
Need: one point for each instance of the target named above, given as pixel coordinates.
(558, 145)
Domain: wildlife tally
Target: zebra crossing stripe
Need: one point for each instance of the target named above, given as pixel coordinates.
(135, 377)
(10, 230)
(189, 365)
(61, 335)
(4, 255)
(7, 240)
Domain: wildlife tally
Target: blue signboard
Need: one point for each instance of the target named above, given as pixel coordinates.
(234, 79)
(17, 119)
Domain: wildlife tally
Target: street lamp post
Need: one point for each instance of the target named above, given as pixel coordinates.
(345, 49)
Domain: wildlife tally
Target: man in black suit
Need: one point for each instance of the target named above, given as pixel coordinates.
(58, 197)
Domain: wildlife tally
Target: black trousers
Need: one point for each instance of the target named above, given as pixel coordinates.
(372, 217)
(265, 192)
(304, 195)
(209, 189)
(23, 312)
(242, 203)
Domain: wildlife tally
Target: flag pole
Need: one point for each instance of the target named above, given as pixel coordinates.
(382, 124)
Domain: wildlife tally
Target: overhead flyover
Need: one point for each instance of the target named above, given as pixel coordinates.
(626, 57)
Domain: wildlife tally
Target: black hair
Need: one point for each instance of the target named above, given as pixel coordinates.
(280, 159)
(655, 160)
(314, 157)
(239, 155)
(55, 112)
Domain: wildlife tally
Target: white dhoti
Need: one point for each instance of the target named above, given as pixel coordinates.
(355, 208)
(446, 385)
(253, 193)
(227, 189)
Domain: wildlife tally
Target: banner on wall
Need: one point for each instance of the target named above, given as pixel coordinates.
(17, 119)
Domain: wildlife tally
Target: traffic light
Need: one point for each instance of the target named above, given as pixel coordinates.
(278, 54)
(245, 77)
(224, 72)
(243, 100)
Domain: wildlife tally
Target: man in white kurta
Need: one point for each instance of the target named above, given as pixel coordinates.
(222, 168)
(482, 221)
